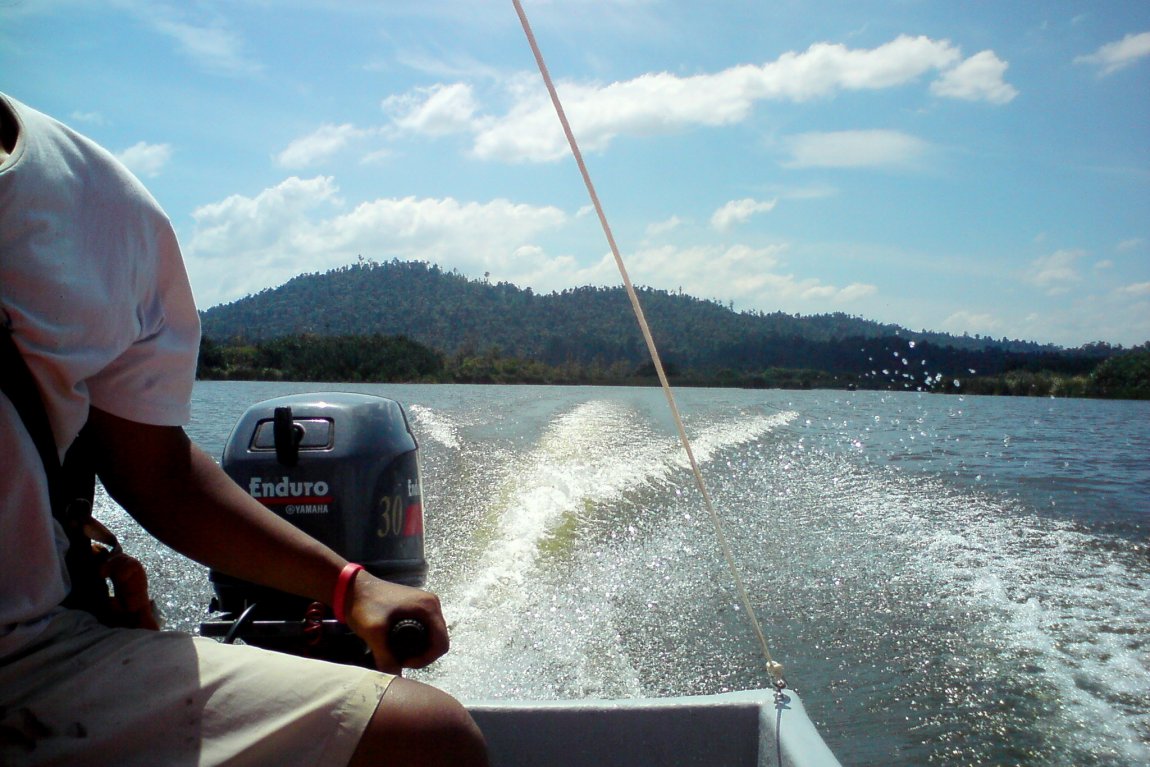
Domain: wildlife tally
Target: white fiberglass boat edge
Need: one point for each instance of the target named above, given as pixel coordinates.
(754, 728)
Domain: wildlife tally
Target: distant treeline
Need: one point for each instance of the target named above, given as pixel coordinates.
(1124, 376)
(392, 359)
(395, 359)
(354, 359)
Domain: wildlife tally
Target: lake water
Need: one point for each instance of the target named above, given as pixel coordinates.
(947, 580)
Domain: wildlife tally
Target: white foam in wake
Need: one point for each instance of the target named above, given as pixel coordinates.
(591, 455)
(435, 425)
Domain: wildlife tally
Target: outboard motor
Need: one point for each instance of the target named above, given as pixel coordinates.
(343, 468)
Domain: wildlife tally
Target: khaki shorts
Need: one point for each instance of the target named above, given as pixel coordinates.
(83, 694)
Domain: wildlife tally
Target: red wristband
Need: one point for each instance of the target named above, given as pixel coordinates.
(339, 599)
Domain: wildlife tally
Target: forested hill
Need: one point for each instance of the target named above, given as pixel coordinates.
(455, 315)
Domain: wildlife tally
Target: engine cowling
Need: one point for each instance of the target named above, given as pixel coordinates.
(342, 467)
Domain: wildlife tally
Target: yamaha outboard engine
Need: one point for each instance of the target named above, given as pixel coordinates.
(343, 468)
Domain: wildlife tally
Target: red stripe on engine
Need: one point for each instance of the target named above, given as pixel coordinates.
(413, 519)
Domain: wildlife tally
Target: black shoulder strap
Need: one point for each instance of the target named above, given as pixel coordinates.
(18, 383)
(71, 486)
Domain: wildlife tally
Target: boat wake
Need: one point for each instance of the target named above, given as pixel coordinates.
(521, 625)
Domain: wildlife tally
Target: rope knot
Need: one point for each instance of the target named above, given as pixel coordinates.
(775, 669)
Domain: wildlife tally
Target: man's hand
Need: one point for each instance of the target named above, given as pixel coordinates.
(132, 605)
(374, 606)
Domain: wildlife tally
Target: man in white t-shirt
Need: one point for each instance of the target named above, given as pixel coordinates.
(93, 286)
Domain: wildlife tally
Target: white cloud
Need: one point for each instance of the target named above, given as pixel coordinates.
(1056, 272)
(1118, 55)
(753, 277)
(739, 212)
(216, 49)
(146, 159)
(417, 224)
(240, 227)
(1121, 316)
(663, 227)
(376, 156)
(450, 64)
(825, 68)
(664, 102)
(245, 244)
(854, 292)
(435, 111)
(979, 78)
(212, 45)
(1134, 243)
(316, 148)
(1136, 289)
(91, 118)
(971, 322)
(856, 149)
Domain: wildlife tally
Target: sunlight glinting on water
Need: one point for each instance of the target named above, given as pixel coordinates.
(1053, 623)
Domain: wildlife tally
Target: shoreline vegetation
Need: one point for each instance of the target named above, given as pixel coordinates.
(380, 358)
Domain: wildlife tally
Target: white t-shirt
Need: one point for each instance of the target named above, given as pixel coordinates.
(92, 279)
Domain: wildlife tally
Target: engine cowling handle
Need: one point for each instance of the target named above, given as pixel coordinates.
(407, 638)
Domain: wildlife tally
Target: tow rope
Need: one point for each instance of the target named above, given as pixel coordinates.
(773, 668)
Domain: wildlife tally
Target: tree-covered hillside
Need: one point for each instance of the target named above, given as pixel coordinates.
(452, 314)
(413, 321)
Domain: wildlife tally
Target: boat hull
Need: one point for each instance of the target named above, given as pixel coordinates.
(737, 729)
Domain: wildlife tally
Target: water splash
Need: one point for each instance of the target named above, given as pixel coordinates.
(436, 425)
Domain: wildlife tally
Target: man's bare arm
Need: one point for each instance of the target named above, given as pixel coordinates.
(181, 496)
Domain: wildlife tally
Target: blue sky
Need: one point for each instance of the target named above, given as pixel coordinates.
(979, 167)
